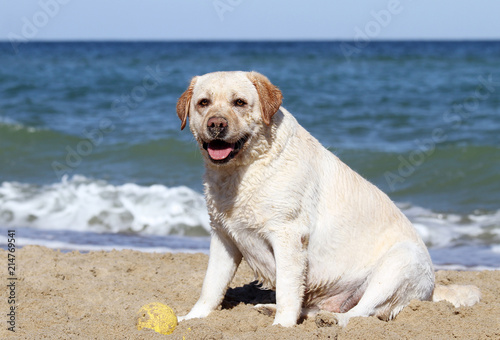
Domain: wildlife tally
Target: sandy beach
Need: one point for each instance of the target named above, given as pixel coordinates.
(97, 295)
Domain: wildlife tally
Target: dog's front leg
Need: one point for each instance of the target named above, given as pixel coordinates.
(290, 252)
(222, 264)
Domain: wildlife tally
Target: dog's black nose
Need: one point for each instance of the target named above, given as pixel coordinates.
(217, 126)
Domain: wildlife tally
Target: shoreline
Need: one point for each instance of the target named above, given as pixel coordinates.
(97, 295)
(465, 257)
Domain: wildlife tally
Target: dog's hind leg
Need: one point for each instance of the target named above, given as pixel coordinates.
(404, 273)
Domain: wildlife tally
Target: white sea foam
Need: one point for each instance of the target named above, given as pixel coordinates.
(15, 125)
(81, 204)
(445, 230)
(7, 120)
(461, 267)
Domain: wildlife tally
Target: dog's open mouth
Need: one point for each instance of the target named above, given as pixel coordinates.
(221, 152)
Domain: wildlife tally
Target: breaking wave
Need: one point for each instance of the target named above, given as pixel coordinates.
(82, 204)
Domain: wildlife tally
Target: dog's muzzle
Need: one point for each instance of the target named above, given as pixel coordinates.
(220, 151)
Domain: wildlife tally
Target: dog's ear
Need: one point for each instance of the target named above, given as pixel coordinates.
(184, 102)
(270, 96)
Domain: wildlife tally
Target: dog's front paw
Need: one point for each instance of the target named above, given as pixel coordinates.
(285, 319)
(282, 319)
(187, 317)
(284, 322)
(195, 313)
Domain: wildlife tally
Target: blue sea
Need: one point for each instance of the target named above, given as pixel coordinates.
(92, 156)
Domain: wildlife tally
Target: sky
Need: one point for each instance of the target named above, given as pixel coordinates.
(31, 20)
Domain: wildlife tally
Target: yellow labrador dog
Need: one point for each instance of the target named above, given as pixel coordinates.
(309, 226)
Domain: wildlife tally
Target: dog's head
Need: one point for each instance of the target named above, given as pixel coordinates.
(227, 110)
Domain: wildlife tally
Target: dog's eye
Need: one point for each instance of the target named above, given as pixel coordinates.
(239, 102)
(204, 102)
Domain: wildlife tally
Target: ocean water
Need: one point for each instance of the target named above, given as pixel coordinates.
(92, 156)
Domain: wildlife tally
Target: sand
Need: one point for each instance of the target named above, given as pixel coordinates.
(97, 295)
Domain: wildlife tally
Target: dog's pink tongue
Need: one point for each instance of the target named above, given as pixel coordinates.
(219, 151)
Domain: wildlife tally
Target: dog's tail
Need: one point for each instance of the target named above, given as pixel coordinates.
(457, 295)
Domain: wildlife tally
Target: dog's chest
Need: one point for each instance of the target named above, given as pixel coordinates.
(243, 217)
(235, 202)
(238, 215)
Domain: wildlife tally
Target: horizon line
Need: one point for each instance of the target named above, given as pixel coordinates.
(270, 40)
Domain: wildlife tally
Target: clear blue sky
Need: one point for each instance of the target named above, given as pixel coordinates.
(248, 19)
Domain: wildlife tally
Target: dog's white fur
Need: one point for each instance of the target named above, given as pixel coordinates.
(308, 225)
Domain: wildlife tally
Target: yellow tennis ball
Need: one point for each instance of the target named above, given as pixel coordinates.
(158, 317)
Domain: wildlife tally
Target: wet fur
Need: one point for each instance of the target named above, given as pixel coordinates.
(308, 225)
